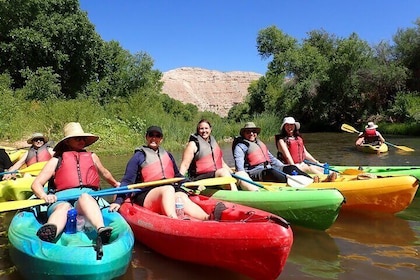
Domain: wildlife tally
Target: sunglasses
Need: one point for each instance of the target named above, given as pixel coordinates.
(155, 135)
(251, 131)
(38, 140)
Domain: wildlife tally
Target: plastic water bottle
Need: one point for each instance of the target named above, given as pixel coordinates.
(80, 223)
(294, 172)
(179, 208)
(71, 225)
(326, 168)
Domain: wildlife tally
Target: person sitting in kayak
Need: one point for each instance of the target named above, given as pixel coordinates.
(254, 161)
(40, 150)
(72, 169)
(370, 136)
(202, 157)
(291, 149)
(152, 163)
(5, 162)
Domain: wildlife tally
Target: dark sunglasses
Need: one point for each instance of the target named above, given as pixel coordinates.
(38, 139)
(251, 131)
(156, 135)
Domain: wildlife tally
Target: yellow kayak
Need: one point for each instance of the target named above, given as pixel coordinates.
(18, 189)
(387, 194)
(15, 154)
(372, 149)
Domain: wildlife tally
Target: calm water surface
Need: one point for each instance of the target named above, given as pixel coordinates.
(355, 247)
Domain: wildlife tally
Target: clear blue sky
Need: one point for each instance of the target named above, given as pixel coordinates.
(221, 34)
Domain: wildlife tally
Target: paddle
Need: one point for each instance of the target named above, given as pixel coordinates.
(20, 204)
(247, 180)
(210, 182)
(349, 128)
(296, 181)
(33, 169)
(345, 172)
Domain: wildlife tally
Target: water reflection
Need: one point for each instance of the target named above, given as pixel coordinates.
(316, 254)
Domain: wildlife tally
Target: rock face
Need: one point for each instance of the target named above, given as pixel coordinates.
(209, 90)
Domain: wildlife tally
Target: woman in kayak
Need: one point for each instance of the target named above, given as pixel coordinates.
(40, 150)
(202, 157)
(254, 161)
(291, 149)
(152, 163)
(72, 170)
(370, 136)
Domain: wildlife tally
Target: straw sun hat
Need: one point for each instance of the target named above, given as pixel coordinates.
(74, 129)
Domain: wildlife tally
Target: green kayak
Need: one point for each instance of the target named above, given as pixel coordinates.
(309, 208)
(384, 170)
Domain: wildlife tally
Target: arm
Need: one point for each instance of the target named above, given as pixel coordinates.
(239, 156)
(104, 172)
(16, 166)
(309, 157)
(38, 184)
(187, 157)
(275, 162)
(381, 137)
(285, 151)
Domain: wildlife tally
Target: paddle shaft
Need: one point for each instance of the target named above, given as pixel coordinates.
(320, 165)
(246, 180)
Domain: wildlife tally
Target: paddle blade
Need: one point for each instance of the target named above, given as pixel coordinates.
(299, 181)
(352, 172)
(19, 204)
(404, 148)
(211, 182)
(349, 128)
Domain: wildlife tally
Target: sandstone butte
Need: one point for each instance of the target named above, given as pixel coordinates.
(209, 90)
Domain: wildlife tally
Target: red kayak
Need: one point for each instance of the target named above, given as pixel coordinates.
(246, 240)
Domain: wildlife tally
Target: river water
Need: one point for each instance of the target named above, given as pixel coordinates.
(355, 247)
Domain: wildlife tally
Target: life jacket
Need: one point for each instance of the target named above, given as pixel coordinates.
(37, 155)
(256, 154)
(296, 149)
(156, 166)
(208, 157)
(371, 136)
(76, 169)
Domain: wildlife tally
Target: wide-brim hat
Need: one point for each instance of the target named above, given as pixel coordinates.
(290, 120)
(74, 129)
(371, 125)
(37, 135)
(248, 126)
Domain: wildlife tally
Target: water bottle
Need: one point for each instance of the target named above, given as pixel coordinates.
(179, 208)
(326, 168)
(80, 223)
(71, 226)
(294, 172)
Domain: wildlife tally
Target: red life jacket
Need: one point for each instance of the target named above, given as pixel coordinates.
(256, 154)
(296, 149)
(208, 157)
(156, 166)
(37, 155)
(371, 136)
(76, 169)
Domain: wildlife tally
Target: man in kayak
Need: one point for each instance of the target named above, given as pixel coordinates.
(40, 150)
(370, 136)
(151, 163)
(254, 161)
(202, 157)
(72, 169)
